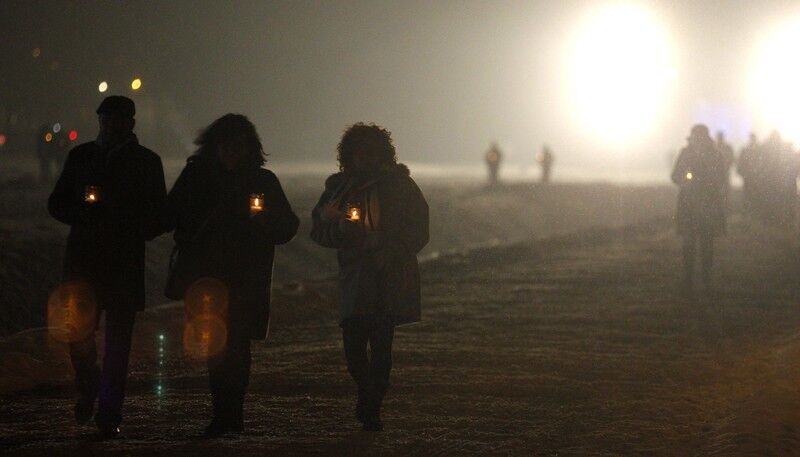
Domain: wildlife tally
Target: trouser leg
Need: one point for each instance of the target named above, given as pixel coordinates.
(380, 364)
(355, 339)
(83, 355)
(229, 376)
(689, 243)
(707, 257)
(118, 335)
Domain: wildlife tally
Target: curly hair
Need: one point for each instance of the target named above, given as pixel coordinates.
(230, 128)
(368, 137)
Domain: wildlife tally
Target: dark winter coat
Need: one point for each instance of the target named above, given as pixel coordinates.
(701, 209)
(106, 240)
(209, 209)
(378, 270)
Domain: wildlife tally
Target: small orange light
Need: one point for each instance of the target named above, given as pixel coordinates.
(48, 137)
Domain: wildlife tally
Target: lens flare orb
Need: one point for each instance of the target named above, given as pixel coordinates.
(71, 312)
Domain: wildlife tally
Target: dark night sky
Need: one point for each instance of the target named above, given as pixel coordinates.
(446, 77)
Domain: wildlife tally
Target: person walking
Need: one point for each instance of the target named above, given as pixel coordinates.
(110, 193)
(700, 172)
(228, 213)
(376, 217)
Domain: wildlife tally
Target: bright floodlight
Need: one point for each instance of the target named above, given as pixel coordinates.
(136, 84)
(103, 86)
(622, 67)
(774, 82)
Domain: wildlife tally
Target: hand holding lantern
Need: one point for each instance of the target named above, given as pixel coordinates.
(353, 213)
(256, 203)
(91, 194)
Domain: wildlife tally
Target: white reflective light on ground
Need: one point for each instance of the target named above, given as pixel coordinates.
(102, 87)
(774, 82)
(621, 70)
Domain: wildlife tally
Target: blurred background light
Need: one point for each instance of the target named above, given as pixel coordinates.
(3, 140)
(621, 69)
(48, 137)
(56, 127)
(775, 80)
(73, 135)
(102, 87)
(136, 84)
(36, 52)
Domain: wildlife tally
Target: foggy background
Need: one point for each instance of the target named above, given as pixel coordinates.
(445, 77)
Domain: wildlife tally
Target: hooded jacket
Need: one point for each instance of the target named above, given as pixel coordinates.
(377, 255)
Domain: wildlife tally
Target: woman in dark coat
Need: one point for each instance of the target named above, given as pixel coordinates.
(223, 236)
(374, 214)
(701, 174)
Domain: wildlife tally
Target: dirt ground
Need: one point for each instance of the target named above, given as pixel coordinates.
(572, 343)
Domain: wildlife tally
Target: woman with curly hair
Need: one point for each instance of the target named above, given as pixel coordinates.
(374, 214)
(228, 214)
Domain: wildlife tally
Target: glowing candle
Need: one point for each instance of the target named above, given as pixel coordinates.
(92, 194)
(353, 213)
(256, 203)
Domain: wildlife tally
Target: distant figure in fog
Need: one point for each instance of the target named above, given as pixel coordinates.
(45, 153)
(228, 214)
(374, 214)
(110, 193)
(750, 168)
(780, 180)
(700, 172)
(728, 159)
(545, 159)
(493, 159)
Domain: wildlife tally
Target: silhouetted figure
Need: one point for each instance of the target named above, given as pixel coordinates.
(374, 214)
(780, 180)
(228, 214)
(493, 159)
(700, 173)
(728, 159)
(106, 248)
(545, 159)
(750, 168)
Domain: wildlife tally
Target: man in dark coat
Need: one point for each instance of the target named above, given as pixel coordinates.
(228, 214)
(110, 193)
(700, 171)
(376, 217)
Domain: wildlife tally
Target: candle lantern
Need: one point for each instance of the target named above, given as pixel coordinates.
(256, 203)
(91, 194)
(353, 212)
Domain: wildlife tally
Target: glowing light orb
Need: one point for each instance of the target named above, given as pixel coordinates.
(205, 297)
(621, 69)
(102, 87)
(3, 140)
(48, 137)
(205, 336)
(774, 81)
(71, 312)
(73, 135)
(56, 127)
(36, 52)
(136, 84)
(689, 176)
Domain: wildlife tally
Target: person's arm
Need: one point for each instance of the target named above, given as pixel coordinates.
(680, 169)
(64, 203)
(415, 229)
(278, 222)
(156, 195)
(329, 228)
